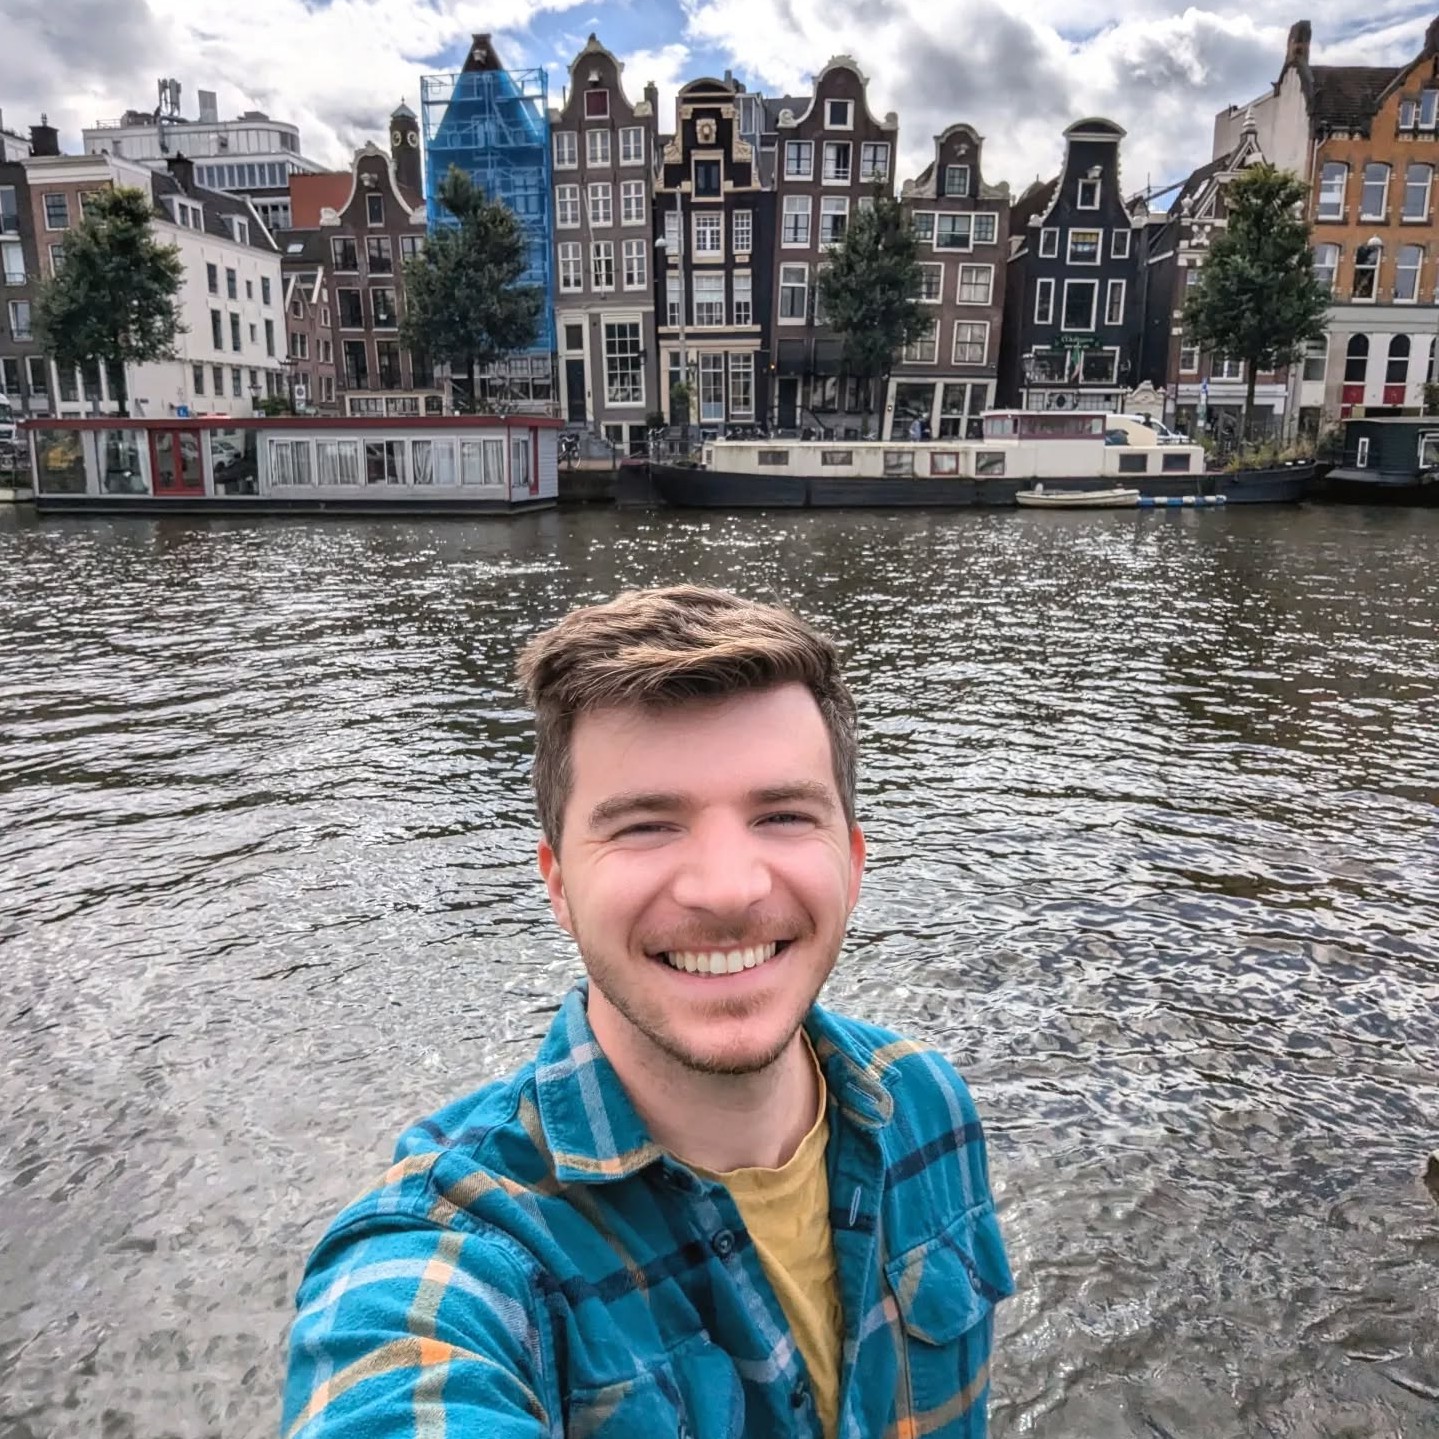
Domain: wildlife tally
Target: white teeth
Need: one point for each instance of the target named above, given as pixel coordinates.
(720, 961)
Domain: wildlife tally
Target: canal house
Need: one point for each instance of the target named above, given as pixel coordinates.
(451, 464)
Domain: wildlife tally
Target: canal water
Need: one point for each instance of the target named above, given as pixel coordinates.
(1151, 801)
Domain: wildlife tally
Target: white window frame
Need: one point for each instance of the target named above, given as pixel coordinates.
(1093, 307)
(873, 161)
(912, 353)
(955, 342)
(988, 285)
(1422, 218)
(990, 221)
(742, 360)
(597, 114)
(1049, 243)
(711, 223)
(567, 202)
(1118, 250)
(937, 297)
(1382, 213)
(1188, 357)
(826, 178)
(830, 123)
(803, 285)
(572, 256)
(1084, 184)
(45, 210)
(962, 192)
(602, 250)
(600, 201)
(1428, 108)
(947, 217)
(742, 232)
(611, 322)
(632, 202)
(796, 207)
(1361, 453)
(597, 147)
(794, 149)
(567, 150)
(1336, 212)
(1044, 300)
(826, 208)
(1113, 288)
(705, 285)
(632, 145)
(1070, 259)
(633, 250)
(1416, 270)
(743, 293)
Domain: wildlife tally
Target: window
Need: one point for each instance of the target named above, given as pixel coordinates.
(357, 364)
(1333, 179)
(742, 231)
(432, 462)
(1119, 244)
(374, 209)
(1188, 357)
(567, 154)
(632, 202)
(976, 284)
(1223, 368)
(1406, 273)
(197, 379)
(1097, 367)
(264, 289)
(602, 264)
(793, 292)
(743, 299)
(833, 217)
(922, 223)
(597, 104)
(12, 258)
(299, 345)
(345, 253)
(672, 300)
(711, 368)
(1044, 302)
(239, 229)
(1080, 297)
(1366, 271)
(384, 462)
(57, 212)
(956, 180)
(338, 462)
(708, 177)
(836, 162)
(1408, 114)
(931, 284)
(269, 337)
(709, 300)
(799, 160)
(874, 160)
(709, 234)
(773, 457)
(1428, 108)
(9, 211)
(794, 229)
(1396, 367)
(838, 114)
(38, 373)
(382, 302)
(924, 350)
(237, 383)
(624, 363)
(217, 373)
(952, 232)
(672, 232)
(971, 342)
(231, 291)
(741, 386)
(234, 332)
(597, 147)
(352, 314)
(1316, 361)
(567, 207)
(378, 255)
(411, 246)
(217, 329)
(1084, 247)
(1088, 195)
(1356, 360)
(572, 268)
(1326, 261)
(1361, 452)
(636, 264)
(986, 229)
(632, 145)
(290, 463)
(898, 463)
(602, 210)
(1416, 191)
(327, 352)
(1114, 303)
(1048, 244)
(1374, 199)
(212, 279)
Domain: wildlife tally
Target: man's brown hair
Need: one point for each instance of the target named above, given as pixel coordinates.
(661, 647)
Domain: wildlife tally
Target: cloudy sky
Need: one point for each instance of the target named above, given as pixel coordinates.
(1018, 70)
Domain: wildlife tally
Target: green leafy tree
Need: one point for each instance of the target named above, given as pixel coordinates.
(464, 304)
(868, 290)
(1257, 298)
(114, 299)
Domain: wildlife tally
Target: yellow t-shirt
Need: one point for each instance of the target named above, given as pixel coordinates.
(786, 1211)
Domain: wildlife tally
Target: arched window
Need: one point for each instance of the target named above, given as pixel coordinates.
(1396, 371)
(1356, 360)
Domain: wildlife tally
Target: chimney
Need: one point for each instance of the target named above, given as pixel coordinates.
(1431, 38)
(405, 150)
(652, 98)
(44, 138)
(182, 171)
(209, 107)
(1297, 52)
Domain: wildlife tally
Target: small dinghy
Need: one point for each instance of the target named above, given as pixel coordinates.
(1111, 499)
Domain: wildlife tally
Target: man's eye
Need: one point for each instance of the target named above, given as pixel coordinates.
(652, 827)
(787, 819)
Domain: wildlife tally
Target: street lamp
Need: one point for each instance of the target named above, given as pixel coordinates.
(663, 245)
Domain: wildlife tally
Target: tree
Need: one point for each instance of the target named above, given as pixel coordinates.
(463, 303)
(1257, 298)
(868, 290)
(114, 298)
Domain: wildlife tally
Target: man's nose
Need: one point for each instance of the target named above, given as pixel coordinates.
(724, 871)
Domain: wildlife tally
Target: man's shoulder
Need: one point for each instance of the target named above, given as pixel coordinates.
(910, 1069)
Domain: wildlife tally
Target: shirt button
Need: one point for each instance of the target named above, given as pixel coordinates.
(798, 1396)
(723, 1244)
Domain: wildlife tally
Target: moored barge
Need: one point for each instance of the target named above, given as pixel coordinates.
(1390, 460)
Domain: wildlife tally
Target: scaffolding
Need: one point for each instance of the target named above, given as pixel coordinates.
(494, 125)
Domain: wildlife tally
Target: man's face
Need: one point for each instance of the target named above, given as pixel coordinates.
(706, 835)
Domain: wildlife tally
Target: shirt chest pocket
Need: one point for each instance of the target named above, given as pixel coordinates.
(946, 1290)
(694, 1392)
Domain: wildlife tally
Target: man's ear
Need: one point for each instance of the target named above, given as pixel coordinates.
(857, 852)
(555, 886)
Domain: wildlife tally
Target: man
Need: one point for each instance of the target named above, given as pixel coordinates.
(709, 1208)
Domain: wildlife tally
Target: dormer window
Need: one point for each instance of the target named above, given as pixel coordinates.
(189, 215)
(839, 114)
(956, 180)
(1408, 114)
(1428, 108)
(597, 104)
(240, 229)
(1088, 195)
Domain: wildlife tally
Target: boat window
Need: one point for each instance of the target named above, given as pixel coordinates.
(1115, 437)
(61, 467)
(1133, 464)
(235, 461)
(1361, 459)
(899, 462)
(1177, 462)
(836, 457)
(338, 462)
(290, 463)
(774, 457)
(944, 462)
(989, 462)
(121, 469)
(432, 462)
(999, 426)
(1428, 451)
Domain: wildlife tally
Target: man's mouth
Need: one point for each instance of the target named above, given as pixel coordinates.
(722, 961)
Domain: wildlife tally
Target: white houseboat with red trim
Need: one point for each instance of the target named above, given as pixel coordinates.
(431, 465)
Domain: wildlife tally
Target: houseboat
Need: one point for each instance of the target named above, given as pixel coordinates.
(1063, 450)
(1386, 461)
(429, 465)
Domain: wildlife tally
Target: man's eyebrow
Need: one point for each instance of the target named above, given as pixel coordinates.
(804, 791)
(619, 806)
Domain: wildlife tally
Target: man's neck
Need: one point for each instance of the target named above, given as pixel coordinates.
(717, 1122)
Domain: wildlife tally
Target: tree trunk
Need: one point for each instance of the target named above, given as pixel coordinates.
(123, 398)
(1251, 374)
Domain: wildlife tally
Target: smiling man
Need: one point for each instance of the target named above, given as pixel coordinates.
(709, 1208)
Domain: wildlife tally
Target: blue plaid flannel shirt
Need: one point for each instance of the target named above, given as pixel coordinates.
(534, 1265)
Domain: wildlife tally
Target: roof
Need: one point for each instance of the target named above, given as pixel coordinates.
(1034, 201)
(309, 194)
(215, 207)
(302, 249)
(1346, 96)
(795, 104)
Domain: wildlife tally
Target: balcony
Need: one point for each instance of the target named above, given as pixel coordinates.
(14, 277)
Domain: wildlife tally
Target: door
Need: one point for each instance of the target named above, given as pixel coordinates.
(175, 463)
(788, 403)
(575, 391)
